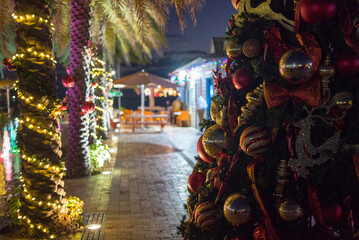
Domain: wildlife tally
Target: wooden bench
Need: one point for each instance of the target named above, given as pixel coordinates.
(155, 119)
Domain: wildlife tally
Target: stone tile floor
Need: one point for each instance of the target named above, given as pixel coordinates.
(144, 195)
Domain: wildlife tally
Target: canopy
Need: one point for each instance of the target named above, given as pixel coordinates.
(145, 78)
(7, 83)
(142, 79)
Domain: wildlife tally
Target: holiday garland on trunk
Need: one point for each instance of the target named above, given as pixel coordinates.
(43, 210)
(78, 157)
(280, 161)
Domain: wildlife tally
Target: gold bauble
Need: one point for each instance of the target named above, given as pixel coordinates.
(251, 48)
(234, 50)
(214, 140)
(295, 65)
(236, 209)
(290, 210)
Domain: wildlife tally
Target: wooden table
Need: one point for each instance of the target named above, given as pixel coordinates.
(157, 119)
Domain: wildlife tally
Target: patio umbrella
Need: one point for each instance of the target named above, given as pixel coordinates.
(142, 79)
(7, 84)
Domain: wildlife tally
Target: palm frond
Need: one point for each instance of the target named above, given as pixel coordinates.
(6, 10)
(62, 22)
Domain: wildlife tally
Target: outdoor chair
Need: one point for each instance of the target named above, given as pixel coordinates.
(184, 117)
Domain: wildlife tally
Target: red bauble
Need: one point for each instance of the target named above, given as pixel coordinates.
(195, 180)
(332, 212)
(313, 11)
(347, 63)
(202, 153)
(88, 107)
(68, 81)
(243, 78)
(63, 106)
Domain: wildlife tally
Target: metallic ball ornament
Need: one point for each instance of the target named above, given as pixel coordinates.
(251, 48)
(313, 11)
(243, 79)
(68, 81)
(236, 209)
(214, 140)
(290, 210)
(234, 50)
(202, 153)
(295, 65)
(255, 141)
(347, 63)
(342, 100)
(195, 180)
(204, 215)
(88, 107)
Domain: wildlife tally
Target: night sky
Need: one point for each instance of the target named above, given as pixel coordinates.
(212, 21)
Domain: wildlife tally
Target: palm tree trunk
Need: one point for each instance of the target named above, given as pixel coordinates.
(43, 205)
(101, 91)
(78, 157)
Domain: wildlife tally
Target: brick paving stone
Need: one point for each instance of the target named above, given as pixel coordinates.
(151, 177)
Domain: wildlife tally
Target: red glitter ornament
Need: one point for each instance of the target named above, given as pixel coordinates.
(313, 11)
(88, 107)
(195, 180)
(243, 79)
(332, 212)
(63, 106)
(347, 63)
(68, 81)
(202, 153)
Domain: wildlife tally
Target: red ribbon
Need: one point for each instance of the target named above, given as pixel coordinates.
(274, 43)
(270, 231)
(232, 113)
(226, 178)
(312, 49)
(355, 158)
(297, 16)
(314, 205)
(308, 94)
(346, 25)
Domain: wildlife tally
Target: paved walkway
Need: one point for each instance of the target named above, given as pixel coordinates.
(144, 195)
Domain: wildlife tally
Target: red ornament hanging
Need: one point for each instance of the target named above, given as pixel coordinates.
(313, 11)
(243, 79)
(88, 107)
(8, 64)
(63, 106)
(202, 153)
(68, 81)
(347, 63)
(195, 180)
(332, 212)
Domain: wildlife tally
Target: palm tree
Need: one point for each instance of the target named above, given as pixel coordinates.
(78, 157)
(43, 208)
(121, 17)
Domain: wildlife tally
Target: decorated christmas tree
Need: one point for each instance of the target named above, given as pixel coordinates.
(279, 158)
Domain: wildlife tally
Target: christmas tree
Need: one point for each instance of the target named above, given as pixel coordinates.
(280, 157)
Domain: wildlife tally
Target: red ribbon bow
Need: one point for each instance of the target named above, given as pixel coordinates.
(307, 94)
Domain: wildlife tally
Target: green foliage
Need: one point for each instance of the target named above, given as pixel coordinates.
(12, 203)
(206, 123)
(99, 153)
